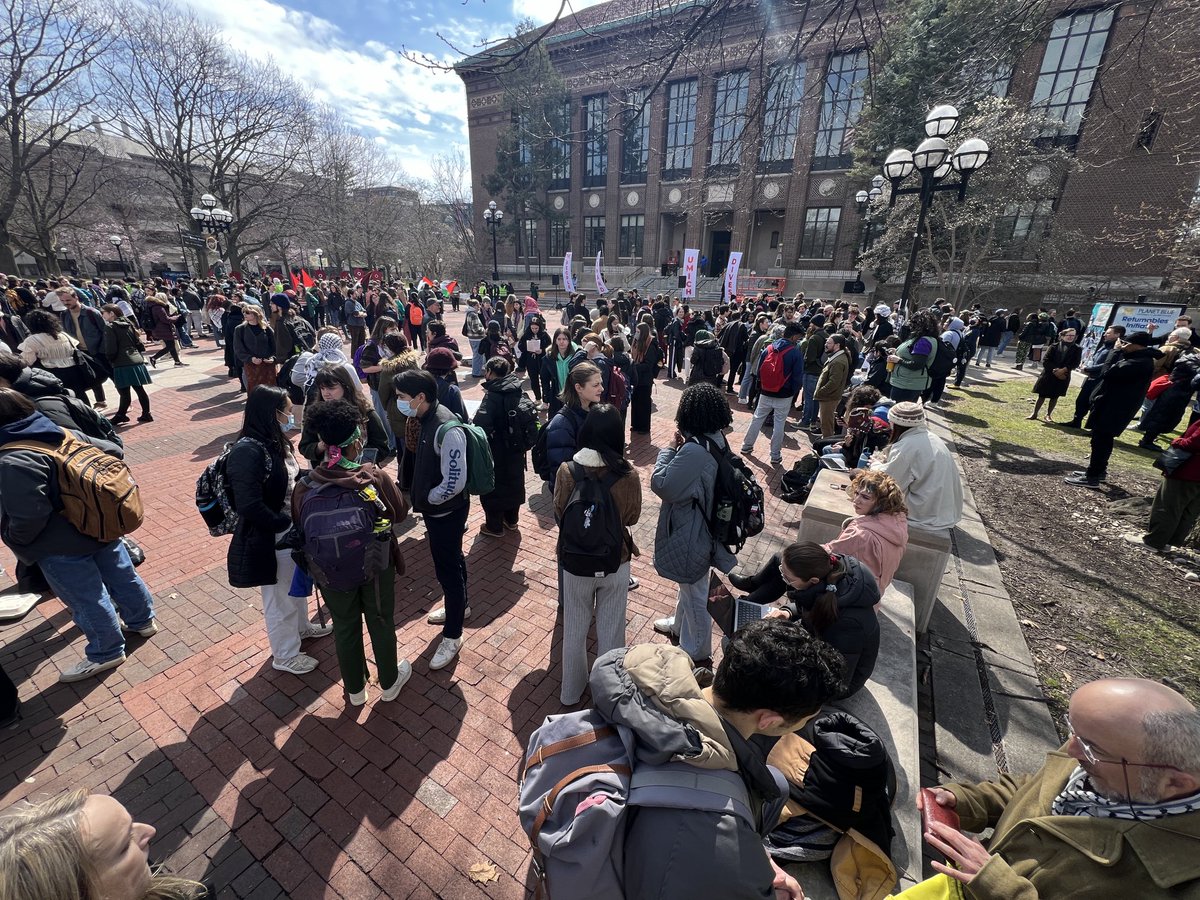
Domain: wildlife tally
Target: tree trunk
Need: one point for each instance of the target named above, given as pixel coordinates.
(8, 256)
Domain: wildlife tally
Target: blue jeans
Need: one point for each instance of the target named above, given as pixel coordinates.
(984, 351)
(809, 414)
(692, 618)
(781, 406)
(477, 360)
(1004, 340)
(95, 587)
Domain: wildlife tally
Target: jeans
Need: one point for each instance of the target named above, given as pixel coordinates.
(808, 414)
(284, 615)
(348, 609)
(181, 328)
(900, 395)
(744, 390)
(95, 587)
(780, 406)
(693, 621)
(1005, 339)
(582, 597)
(444, 535)
(988, 351)
(477, 360)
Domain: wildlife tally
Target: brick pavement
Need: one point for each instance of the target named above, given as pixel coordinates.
(266, 784)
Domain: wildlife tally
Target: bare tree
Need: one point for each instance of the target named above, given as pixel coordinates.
(54, 192)
(450, 188)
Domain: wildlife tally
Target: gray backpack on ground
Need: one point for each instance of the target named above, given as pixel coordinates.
(579, 779)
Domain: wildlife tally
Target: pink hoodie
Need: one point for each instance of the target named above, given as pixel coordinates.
(878, 542)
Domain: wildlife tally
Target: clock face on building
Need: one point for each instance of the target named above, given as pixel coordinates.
(770, 190)
(559, 202)
(632, 198)
(675, 196)
(826, 187)
(594, 201)
(1039, 174)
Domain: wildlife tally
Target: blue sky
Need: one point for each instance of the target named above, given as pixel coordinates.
(347, 52)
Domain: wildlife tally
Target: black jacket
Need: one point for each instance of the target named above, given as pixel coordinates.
(993, 331)
(253, 341)
(1172, 403)
(52, 400)
(734, 339)
(258, 498)
(427, 465)
(1121, 391)
(501, 397)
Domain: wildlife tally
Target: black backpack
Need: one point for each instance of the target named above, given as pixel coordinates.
(737, 507)
(943, 361)
(590, 535)
(519, 430)
(539, 456)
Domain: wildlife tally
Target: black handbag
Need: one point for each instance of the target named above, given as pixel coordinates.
(137, 555)
(1171, 459)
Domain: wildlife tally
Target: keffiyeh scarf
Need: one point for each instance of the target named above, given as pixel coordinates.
(329, 351)
(1078, 799)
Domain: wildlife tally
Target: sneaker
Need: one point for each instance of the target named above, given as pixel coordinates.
(483, 529)
(634, 584)
(178, 364)
(438, 616)
(1081, 480)
(446, 651)
(404, 672)
(146, 418)
(746, 451)
(148, 630)
(360, 698)
(1080, 473)
(118, 420)
(85, 668)
(1140, 541)
(315, 631)
(777, 462)
(666, 626)
(299, 664)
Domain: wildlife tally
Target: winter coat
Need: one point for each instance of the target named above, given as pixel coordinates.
(500, 397)
(251, 341)
(735, 340)
(626, 494)
(912, 372)
(1170, 353)
(528, 360)
(813, 348)
(1059, 356)
(1038, 333)
(1122, 388)
(921, 464)
(834, 377)
(708, 362)
(969, 343)
(562, 437)
(1172, 403)
(473, 327)
(121, 345)
(993, 331)
(31, 521)
(793, 368)
(258, 498)
(552, 385)
(877, 541)
(650, 689)
(1036, 854)
(162, 321)
(408, 359)
(685, 479)
(855, 631)
(427, 467)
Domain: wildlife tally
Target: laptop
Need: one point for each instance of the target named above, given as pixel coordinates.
(729, 612)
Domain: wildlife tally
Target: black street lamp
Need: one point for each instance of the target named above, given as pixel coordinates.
(492, 218)
(97, 263)
(212, 218)
(321, 260)
(933, 160)
(866, 200)
(115, 240)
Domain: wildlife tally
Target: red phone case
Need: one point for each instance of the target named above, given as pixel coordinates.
(932, 811)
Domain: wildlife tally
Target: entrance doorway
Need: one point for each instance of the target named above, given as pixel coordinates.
(718, 253)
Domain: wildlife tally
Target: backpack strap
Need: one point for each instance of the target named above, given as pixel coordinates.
(681, 786)
(580, 740)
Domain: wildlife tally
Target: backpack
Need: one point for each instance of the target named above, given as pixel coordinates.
(501, 348)
(540, 457)
(340, 544)
(772, 375)
(590, 534)
(214, 498)
(618, 388)
(481, 471)
(416, 315)
(516, 425)
(96, 491)
(358, 360)
(580, 777)
(943, 360)
(710, 361)
(737, 507)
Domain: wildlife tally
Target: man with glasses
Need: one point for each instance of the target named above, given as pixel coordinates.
(1114, 813)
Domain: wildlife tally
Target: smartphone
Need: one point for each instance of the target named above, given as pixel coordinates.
(369, 455)
(932, 811)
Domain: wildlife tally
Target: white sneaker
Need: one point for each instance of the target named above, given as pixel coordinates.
(312, 630)
(634, 584)
(85, 668)
(299, 664)
(404, 672)
(145, 631)
(446, 651)
(666, 626)
(438, 616)
(360, 698)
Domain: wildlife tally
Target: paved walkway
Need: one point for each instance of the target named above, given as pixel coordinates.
(266, 784)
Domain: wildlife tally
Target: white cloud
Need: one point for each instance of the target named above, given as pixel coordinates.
(543, 11)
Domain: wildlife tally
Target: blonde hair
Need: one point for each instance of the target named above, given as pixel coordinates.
(888, 496)
(43, 856)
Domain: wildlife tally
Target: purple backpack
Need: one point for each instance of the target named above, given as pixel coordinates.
(340, 543)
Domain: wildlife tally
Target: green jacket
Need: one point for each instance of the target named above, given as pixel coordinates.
(1039, 856)
(834, 377)
(912, 372)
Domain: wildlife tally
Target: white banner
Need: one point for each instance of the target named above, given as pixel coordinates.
(568, 278)
(731, 273)
(1140, 318)
(601, 287)
(691, 260)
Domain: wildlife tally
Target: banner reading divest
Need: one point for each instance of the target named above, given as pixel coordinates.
(731, 274)
(691, 259)
(568, 276)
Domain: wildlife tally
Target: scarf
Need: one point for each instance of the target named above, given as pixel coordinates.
(1078, 799)
(329, 351)
(333, 454)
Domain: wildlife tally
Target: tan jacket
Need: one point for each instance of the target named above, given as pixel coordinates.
(626, 493)
(834, 377)
(1040, 856)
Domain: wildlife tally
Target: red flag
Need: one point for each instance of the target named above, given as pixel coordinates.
(451, 286)
(305, 279)
(426, 280)
(295, 282)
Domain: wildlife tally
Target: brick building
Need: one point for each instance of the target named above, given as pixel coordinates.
(745, 149)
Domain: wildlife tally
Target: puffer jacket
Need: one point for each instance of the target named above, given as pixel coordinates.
(562, 437)
(855, 632)
(650, 689)
(1172, 403)
(685, 479)
(258, 498)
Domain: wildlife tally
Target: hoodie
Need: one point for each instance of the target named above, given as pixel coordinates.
(651, 690)
(855, 631)
(876, 541)
(31, 524)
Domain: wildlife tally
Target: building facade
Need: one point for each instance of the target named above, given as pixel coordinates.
(737, 148)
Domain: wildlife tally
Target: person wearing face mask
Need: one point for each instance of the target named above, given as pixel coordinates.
(261, 469)
(1063, 358)
(84, 846)
(437, 487)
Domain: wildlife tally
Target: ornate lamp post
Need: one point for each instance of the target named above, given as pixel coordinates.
(866, 200)
(212, 218)
(321, 261)
(115, 240)
(492, 218)
(933, 160)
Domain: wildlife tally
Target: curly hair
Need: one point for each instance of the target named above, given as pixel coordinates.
(703, 409)
(863, 395)
(334, 420)
(39, 321)
(923, 323)
(889, 498)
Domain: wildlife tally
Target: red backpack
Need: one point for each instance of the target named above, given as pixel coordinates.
(618, 388)
(772, 376)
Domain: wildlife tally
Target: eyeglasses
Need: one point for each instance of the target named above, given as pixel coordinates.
(1090, 754)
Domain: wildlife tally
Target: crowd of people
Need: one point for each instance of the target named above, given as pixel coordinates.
(368, 377)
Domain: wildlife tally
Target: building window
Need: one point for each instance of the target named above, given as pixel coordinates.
(1022, 228)
(633, 229)
(595, 141)
(560, 238)
(635, 138)
(996, 80)
(681, 129)
(732, 92)
(560, 148)
(781, 116)
(529, 229)
(820, 232)
(593, 235)
(774, 240)
(1068, 69)
(524, 147)
(845, 89)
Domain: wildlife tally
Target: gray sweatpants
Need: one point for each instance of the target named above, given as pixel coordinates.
(606, 598)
